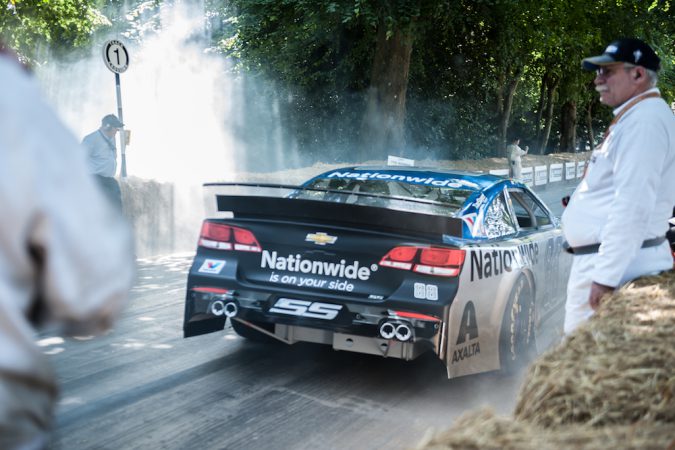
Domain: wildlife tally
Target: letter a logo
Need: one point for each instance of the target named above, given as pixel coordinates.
(468, 327)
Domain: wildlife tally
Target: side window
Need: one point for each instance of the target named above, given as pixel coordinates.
(528, 211)
(542, 216)
(522, 214)
(498, 222)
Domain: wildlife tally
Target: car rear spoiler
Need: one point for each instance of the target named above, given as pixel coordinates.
(303, 210)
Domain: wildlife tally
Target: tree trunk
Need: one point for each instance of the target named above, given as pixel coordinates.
(384, 120)
(504, 105)
(540, 106)
(501, 82)
(589, 124)
(548, 119)
(568, 127)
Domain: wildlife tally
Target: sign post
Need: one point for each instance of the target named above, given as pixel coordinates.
(116, 58)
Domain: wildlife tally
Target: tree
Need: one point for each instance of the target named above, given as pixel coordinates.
(511, 53)
(31, 27)
(587, 34)
(454, 77)
(547, 101)
(384, 118)
(328, 47)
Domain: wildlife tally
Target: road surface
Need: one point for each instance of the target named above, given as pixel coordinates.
(142, 386)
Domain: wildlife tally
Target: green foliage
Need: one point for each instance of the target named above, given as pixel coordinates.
(316, 59)
(33, 26)
(466, 54)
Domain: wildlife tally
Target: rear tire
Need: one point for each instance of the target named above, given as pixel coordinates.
(251, 334)
(516, 343)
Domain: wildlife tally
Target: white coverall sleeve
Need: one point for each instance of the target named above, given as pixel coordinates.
(637, 173)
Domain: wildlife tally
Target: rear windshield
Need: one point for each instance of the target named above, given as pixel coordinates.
(388, 194)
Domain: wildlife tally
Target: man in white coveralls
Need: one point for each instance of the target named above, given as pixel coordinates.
(514, 154)
(66, 259)
(617, 218)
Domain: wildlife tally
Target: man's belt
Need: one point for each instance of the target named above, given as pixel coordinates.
(593, 248)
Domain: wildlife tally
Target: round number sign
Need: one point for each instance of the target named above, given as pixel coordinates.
(115, 56)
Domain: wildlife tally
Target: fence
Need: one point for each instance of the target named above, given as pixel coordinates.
(545, 174)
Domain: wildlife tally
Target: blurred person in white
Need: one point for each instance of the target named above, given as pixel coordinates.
(66, 256)
(514, 154)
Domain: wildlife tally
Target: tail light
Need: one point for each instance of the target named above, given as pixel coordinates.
(210, 290)
(416, 316)
(442, 262)
(227, 237)
(400, 258)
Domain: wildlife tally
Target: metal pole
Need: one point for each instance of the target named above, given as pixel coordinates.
(123, 170)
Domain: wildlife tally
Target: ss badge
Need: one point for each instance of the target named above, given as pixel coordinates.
(304, 308)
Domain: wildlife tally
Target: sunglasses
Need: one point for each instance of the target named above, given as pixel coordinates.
(608, 71)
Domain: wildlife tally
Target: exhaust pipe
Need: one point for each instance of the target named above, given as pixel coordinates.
(403, 332)
(217, 308)
(231, 309)
(387, 330)
(399, 330)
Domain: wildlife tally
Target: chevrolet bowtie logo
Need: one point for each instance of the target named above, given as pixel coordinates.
(321, 238)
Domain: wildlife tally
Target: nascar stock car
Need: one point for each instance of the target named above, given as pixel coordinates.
(390, 261)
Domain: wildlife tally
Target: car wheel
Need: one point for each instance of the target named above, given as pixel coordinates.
(252, 334)
(517, 345)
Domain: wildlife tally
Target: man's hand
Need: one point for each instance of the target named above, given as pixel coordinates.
(565, 201)
(598, 291)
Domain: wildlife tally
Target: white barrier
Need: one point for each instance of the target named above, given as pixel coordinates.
(398, 161)
(540, 175)
(556, 173)
(570, 170)
(528, 176)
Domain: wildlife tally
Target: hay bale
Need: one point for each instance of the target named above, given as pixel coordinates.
(483, 430)
(609, 385)
(619, 368)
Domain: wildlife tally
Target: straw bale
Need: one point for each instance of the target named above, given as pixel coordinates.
(618, 368)
(483, 430)
(608, 385)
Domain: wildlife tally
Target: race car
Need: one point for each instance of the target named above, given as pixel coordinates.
(389, 261)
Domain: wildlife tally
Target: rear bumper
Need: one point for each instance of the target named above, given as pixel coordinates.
(363, 328)
(388, 348)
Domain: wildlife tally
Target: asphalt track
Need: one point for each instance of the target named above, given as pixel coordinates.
(142, 386)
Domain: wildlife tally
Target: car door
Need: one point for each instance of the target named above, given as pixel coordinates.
(549, 264)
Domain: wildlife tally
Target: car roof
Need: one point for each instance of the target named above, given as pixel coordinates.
(475, 181)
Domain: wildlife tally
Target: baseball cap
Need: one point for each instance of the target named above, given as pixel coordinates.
(112, 120)
(629, 50)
